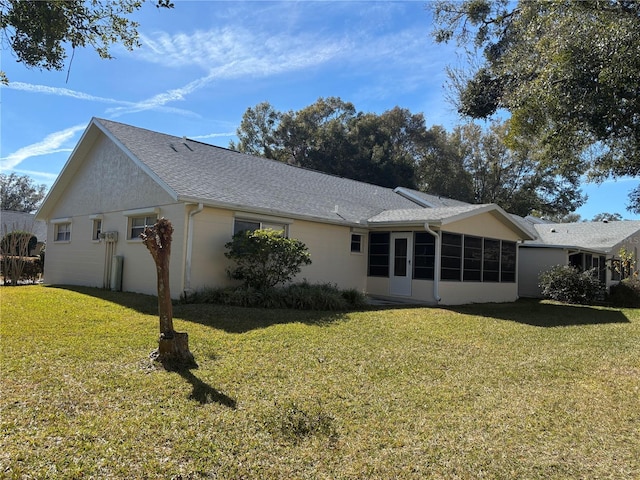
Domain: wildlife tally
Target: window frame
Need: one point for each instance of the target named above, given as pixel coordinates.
(470, 258)
(58, 229)
(131, 227)
(423, 259)
(96, 229)
(262, 224)
(454, 252)
(379, 251)
(356, 245)
(510, 274)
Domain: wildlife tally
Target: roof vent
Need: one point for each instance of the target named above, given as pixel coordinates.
(184, 142)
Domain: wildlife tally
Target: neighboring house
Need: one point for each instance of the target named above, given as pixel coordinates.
(11, 221)
(583, 245)
(386, 242)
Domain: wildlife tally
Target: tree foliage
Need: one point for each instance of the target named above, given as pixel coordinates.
(513, 179)
(567, 71)
(332, 137)
(264, 258)
(396, 148)
(20, 193)
(606, 216)
(39, 32)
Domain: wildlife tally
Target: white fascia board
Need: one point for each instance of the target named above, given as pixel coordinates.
(565, 247)
(138, 212)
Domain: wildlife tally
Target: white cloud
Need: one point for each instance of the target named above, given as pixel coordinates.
(236, 52)
(53, 143)
(213, 135)
(61, 92)
(65, 92)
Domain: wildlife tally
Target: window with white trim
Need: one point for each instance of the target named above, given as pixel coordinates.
(138, 224)
(356, 243)
(63, 232)
(242, 225)
(97, 229)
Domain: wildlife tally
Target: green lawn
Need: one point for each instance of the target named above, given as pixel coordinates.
(524, 390)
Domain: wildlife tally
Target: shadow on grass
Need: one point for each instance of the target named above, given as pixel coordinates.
(227, 318)
(540, 313)
(240, 320)
(201, 392)
(204, 393)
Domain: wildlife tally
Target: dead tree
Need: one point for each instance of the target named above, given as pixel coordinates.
(173, 347)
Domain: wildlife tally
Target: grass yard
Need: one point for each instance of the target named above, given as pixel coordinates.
(526, 390)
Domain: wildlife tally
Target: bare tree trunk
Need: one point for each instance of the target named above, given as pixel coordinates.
(173, 347)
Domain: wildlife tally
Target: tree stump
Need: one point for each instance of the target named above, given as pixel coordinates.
(173, 347)
(174, 350)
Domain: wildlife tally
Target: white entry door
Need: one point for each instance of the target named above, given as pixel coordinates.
(400, 268)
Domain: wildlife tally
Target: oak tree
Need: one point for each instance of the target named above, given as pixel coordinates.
(567, 72)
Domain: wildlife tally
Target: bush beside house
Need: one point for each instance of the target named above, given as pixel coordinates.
(567, 284)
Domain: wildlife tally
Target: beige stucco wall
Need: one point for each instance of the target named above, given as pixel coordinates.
(330, 250)
(107, 184)
(108, 181)
(329, 247)
(483, 225)
(534, 261)
(459, 293)
(82, 261)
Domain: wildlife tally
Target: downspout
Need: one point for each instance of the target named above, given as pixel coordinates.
(436, 263)
(187, 269)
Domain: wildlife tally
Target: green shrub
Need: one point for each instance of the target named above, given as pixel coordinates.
(626, 293)
(264, 258)
(15, 269)
(299, 296)
(567, 284)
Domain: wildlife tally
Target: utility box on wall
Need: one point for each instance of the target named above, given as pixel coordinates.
(117, 263)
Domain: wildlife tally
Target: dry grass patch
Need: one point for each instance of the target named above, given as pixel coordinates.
(525, 390)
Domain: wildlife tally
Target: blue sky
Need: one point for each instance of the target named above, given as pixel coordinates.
(202, 64)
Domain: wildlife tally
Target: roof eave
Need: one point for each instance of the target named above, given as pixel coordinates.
(269, 211)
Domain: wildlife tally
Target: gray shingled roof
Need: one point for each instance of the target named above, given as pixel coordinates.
(435, 215)
(11, 220)
(428, 200)
(217, 176)
(599, 236)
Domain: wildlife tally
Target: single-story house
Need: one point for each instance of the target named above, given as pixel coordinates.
(386, 242)
(584, 245)
(11, 221)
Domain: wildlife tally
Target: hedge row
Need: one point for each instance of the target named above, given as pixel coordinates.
(15, 269)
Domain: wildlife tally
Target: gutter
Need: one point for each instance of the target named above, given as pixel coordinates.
(187, 269)
(436, 263)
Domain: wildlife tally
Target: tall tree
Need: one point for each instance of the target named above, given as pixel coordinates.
(332, 137)
(567, 71)
(20, 193)
(512, 178)
(257, 131)
(38, 32)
